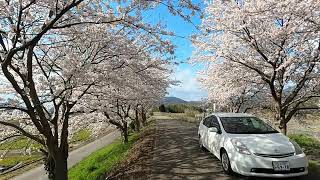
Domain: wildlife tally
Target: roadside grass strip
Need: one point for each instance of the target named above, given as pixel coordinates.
(311, 147)
(306, 141)
(96, 165)
(314, 166)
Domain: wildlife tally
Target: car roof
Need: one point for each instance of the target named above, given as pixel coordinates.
(221, 114)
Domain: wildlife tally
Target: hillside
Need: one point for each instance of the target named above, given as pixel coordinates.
(175, 100)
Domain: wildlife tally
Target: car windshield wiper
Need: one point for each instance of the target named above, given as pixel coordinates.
(254, 132)
(263, 132)
(270, 132)
(242, 132)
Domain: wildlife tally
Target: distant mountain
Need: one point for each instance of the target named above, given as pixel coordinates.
(175, 100)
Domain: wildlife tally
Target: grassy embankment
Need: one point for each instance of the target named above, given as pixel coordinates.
(311, 147)
(101, 162)
(81, 136)
(20, 143)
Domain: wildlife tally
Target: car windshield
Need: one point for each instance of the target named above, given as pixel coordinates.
(246, 125)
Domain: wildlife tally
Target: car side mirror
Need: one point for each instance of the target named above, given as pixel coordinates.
(213, 129)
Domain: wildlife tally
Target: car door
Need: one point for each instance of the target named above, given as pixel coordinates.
(203, 130)
(213, 140)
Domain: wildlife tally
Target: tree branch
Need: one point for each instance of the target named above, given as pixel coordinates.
(23, 132)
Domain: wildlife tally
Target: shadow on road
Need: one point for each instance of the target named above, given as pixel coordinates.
(178, 156)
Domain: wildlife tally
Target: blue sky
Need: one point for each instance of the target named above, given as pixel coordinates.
(189, 89)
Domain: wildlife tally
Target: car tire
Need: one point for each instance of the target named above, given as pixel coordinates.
(225, 161)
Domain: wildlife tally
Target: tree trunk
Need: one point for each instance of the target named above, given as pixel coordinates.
(56, 160)
(137, 121)
(283, 127)
(280, 116)
(125, 132)
(56, 165)
(49, 166)
(144, 116)
(61, 169)
(283, 122)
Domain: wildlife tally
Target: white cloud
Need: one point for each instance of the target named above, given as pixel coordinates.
(189, 88)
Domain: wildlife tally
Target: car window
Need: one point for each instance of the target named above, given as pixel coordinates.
(206, 122)
(262, 126)
(211, 121)
(214, 122)
(246, 125)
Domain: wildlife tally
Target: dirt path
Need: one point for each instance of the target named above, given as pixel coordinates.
(178, 156)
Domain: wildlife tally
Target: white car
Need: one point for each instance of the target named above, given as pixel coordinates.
(248, 146)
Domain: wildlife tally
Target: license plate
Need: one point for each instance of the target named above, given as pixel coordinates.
(281, 166)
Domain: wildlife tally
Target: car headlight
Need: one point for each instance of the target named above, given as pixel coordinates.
(296, 146)
(240, 147)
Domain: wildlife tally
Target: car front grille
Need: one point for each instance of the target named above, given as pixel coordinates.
(271, 171)
(275, 155)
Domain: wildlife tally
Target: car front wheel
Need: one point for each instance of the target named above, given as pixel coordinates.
(226, 162)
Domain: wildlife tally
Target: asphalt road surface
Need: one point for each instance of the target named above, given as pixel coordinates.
(75, 156)
(178, 156)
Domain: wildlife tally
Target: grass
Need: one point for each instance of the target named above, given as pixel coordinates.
(22, 142)
(305, 140)
(308, 143)
(81, 135)
(183, 108)
(192, 118)
(98, 163)
(311, 147)
(314, 167)
(19, 143)
(13, 160)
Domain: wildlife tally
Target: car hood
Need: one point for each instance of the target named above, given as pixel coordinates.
(275, 143)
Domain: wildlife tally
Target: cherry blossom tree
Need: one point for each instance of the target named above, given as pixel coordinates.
(49, 54)
(232, 88)
(133, 80)
(274, 42)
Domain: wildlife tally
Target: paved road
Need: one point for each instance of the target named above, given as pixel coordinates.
(75, 156)
(178, 156)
